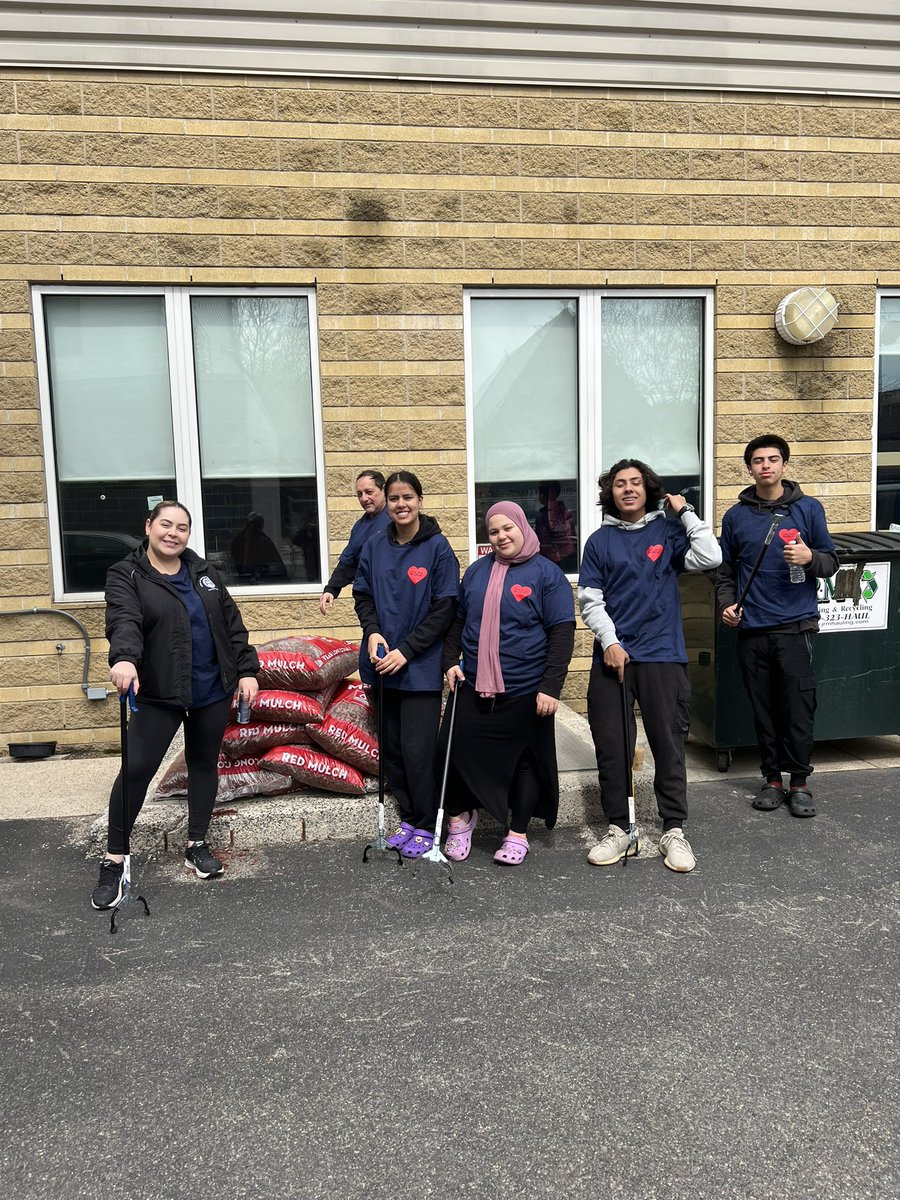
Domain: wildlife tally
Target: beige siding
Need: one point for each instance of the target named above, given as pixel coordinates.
(829, 47)
(391, 199)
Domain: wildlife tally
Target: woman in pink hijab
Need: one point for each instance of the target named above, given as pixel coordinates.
(515, 632)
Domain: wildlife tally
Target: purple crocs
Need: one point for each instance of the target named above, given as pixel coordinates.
(419, 842)
(399, 839)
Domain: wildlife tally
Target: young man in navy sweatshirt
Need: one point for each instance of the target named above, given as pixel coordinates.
(628, 595)
(778, 617)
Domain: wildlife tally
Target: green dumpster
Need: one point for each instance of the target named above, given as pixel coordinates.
(857, 652)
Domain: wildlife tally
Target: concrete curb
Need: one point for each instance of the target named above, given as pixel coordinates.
(318, 816)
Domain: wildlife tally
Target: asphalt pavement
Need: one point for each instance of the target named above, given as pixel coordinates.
(310, 1026)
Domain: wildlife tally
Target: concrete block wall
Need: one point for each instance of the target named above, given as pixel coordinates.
(390, 199)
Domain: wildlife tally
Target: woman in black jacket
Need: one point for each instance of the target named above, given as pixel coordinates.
(175, 636)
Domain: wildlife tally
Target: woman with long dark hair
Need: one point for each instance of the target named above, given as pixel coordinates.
(405, 594)
(177, 639)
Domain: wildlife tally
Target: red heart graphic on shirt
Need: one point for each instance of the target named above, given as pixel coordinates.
(520, 592)
(653, 552)
(789, 535)
(417, 574)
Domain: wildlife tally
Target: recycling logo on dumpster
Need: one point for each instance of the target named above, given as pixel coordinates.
(865, 608)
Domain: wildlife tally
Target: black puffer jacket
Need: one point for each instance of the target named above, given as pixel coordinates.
(148, 624)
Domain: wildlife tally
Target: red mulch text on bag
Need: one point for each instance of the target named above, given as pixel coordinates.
(305, 664)
(348, 730)
(289, 708)
(240, 740)
(314, 769)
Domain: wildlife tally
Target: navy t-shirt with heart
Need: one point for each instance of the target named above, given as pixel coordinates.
(637, 570)
(404, 582)
(536, 596)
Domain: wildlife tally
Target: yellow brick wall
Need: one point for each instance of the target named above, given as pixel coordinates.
(390, 199)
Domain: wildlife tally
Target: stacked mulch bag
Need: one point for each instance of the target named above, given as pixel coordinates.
(310, 727)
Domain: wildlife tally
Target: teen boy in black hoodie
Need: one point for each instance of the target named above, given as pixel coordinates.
(776, 622)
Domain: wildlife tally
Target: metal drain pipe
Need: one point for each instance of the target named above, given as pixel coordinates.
(91, 693)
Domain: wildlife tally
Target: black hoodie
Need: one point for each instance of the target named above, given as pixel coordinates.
(772, 603)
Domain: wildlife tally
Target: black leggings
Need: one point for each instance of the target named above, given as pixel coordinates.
(150, 733)
(411, 722)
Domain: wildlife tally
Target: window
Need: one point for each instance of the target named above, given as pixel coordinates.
(208, 396)
(887, 419)
(562, 385)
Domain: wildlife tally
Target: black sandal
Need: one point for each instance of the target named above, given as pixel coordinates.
(771, 796)
(800, 802)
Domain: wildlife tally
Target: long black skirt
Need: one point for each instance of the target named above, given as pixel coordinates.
(489, 739)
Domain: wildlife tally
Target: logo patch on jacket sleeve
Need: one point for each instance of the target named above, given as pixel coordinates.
(207, 583)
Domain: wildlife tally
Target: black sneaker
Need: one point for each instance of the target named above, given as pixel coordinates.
(202, 860)
(108, 891)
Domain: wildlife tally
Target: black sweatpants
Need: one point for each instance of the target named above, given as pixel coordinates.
(150, 733)
(411, 721)
(777, 669)
(664, 695)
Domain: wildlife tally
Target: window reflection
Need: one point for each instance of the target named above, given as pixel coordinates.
(525, 384)
(257, 448)
(887, 488)
(651, 382)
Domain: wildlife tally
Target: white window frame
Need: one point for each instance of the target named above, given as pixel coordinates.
(590, 466)
(182, 390)
(881, 294)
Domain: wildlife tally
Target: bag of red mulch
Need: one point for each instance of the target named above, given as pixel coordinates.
(237, 779)
(348, 730)
(174, 782)
(245, 777)
(238, 741)
(289, 708)
(305, 664)
(312, 768)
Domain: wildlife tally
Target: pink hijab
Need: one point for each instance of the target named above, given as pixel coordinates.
(489, 679)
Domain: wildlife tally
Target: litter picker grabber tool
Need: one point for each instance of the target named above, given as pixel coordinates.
(629, 782)
(379, 843)
(434, 854)
(754, 570)
(126, 702)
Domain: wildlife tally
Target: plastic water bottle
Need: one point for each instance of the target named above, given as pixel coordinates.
(798, 575)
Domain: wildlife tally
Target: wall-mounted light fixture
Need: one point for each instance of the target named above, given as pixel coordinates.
(806, 315)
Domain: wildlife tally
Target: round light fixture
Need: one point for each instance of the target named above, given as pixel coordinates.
(806, 315)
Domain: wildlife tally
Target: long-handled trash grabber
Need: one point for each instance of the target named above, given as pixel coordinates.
(434, 854)
(379, 843)
(754, 570)
(629, 782)
(126, 702)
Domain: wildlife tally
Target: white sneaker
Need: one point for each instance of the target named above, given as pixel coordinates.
(676, 851)
(612, 847)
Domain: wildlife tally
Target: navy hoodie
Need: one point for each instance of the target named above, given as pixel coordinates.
(773, 602)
